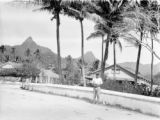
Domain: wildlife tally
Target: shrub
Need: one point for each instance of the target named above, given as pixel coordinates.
(124, 86)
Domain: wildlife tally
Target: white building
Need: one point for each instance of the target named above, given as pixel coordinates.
(48, 76)
(10, 65)
(122, 74)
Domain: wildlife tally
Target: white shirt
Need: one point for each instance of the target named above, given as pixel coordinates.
(97, 81)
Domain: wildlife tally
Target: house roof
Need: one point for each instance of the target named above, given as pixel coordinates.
(130, 73)
(9, 65)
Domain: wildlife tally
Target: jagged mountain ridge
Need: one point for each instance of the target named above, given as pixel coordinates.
(49, 57)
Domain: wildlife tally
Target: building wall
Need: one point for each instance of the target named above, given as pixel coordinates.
(120, 75)
(47, 78)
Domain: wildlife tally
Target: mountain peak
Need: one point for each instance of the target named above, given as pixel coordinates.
(29, 41)
(89, 57)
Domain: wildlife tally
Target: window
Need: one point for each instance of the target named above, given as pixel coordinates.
(117, 71)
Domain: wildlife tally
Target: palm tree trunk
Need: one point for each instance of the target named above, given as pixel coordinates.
(105, 57)
(152, 64)
(82, 53)
(102, 54)
(138, 59)
(114, 53)
(58, 49)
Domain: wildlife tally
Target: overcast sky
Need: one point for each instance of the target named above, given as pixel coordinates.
(16, 24)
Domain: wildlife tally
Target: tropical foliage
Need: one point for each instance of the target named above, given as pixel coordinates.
(26, 70)
(132, 20)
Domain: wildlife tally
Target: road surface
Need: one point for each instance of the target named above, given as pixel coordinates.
(17, 104)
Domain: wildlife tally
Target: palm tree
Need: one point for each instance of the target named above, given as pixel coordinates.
(154, 9)
(28, 52)
(2, 51)
(76, 10)
(115, 42)
(13, 51)
(110, 14)
(28, 55)
(95, 65)
(143, 4)
(138, 12)
(99, 33)
(55, 7)
(37, 54)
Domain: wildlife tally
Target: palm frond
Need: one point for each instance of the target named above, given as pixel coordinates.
(96, 34)
(119, 44)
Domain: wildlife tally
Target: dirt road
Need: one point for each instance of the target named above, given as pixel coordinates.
(17, 104)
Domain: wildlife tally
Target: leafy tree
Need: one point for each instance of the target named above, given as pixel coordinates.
(95, 65)
(18, 59)
(2, 49)
(13, 52)
(28, 55)
(7, 57)
(37, 54)
(28, 52)
(72, 74)
(28, 70)
(157, 78)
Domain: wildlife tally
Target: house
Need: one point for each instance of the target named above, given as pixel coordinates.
(121, 74)
(10, 65)
(47, 76)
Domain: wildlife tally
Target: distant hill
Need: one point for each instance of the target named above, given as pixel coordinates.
(144, 69)
(47, 56)
(89, 57)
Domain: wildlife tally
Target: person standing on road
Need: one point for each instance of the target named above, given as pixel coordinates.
(96, 82)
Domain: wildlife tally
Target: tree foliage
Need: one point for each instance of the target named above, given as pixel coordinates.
(26, 70)
(71, 72)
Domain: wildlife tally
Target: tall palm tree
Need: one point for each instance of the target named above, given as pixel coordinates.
(110, 11)
(28, 52)
(2, 51)
(76, 10)
(28, 55)
(138, 12)
(95, 34)
(13, 52)
(37, 54)
(143, 4)
(55, 7)
(153, 9)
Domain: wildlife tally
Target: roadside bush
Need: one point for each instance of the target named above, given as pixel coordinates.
(124, 86)
(156, 92)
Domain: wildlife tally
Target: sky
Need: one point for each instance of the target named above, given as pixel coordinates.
(17, 24)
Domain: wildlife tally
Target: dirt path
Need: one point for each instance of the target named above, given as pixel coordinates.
(17, 104)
